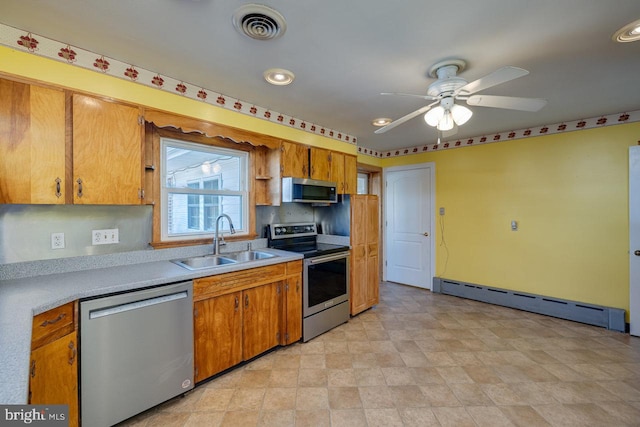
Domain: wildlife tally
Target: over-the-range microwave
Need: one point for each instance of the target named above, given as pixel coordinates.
(306, 190)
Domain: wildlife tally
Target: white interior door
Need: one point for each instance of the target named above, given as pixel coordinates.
(634, 240)
(409, 225)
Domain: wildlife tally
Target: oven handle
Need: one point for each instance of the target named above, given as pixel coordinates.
(327, 258)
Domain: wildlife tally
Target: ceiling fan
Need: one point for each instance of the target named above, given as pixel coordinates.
(447, 115)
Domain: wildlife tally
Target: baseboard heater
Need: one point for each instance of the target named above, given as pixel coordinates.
(607, 317)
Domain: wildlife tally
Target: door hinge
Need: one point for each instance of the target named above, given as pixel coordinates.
(140, 193)
(140, 120)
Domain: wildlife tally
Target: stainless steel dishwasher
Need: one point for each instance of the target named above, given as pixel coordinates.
(136, 351)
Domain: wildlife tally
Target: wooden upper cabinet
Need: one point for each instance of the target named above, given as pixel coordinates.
(344, 172)
(320, 164)
(294, 160)
(107, 152)
(32, 144)
(350, 174)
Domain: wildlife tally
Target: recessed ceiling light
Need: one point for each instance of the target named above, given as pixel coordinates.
(628, 33)
(279, 76)
(382, 121)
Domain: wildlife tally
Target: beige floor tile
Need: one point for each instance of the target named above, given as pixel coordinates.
(344, 398)
(313, 418)
(168, 419)
(622, 412)
(584, 392)
(418, 417)
(274, 419)
(489, 416)
(470, 394)
(312, 398)
(312, 378)
(341, 378)
(279, 399)
(383, 418)
(240, 418)
(209, 419)
(424, 376)
(283, 378)
(578, 415)
(254, 379)
(246, 399)
(398, 376)
(338, 361)
(407, 396)
(439, 395)
(348, 418)
(453, 417)
(376, 397)
(214, 399)
(524, 416)
(312, 361)
(369, 376)
(454, 374)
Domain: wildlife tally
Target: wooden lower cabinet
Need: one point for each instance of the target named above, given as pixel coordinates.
(53, 368)
(240, 315)
(217, 334)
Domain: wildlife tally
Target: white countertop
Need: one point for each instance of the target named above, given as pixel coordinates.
(22, 298)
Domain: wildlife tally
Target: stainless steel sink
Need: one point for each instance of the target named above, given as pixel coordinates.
(211, 261)
(202, 262)
(250, 256)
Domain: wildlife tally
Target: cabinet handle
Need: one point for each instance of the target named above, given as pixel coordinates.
(51, 322)
(58, 192)
(246, 300)
(79, 181)
(237, 304)
(73, 352)
(33, 369)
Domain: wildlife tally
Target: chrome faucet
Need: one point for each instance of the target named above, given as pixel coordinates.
(216, 240)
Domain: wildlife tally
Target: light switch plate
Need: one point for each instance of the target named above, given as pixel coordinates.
(105, 237)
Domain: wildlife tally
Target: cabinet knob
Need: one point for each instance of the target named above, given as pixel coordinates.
(79, 181)
(58, 189)
(637, 252)
(425, 234)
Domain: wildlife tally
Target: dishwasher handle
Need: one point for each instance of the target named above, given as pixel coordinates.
(135, 305)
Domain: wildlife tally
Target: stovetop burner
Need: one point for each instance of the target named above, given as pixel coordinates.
(300, 238)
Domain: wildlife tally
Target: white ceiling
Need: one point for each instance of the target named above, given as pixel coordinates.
(344, 53)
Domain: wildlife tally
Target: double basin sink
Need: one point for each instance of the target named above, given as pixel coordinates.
(210, 261)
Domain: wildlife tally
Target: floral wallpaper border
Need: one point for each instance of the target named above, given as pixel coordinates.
(42, 46)
(39, 45)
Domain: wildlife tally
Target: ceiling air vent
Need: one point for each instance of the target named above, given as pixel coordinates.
(259, 22)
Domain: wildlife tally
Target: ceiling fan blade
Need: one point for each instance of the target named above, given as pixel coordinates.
(429, 97)
(499, 76)
(508, 102)
(406, 118)
(450, 132)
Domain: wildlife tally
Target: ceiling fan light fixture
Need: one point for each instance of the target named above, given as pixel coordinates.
(461, 114)
(433, 116)
(628, 33)
(446, 123)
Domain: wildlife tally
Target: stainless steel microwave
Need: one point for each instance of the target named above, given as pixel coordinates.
(305, 190)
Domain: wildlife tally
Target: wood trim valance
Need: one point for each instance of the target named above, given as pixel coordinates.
(187, 124)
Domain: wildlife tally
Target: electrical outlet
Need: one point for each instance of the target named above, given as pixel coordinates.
(105, 237)
(57, 240)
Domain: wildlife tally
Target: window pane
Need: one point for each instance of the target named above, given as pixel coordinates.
(363, 183)
(212, 169)
(185, 219)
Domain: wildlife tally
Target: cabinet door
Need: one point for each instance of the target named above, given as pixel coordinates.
(337, 171)
(107, 152)
(295, 158)
(293, 310)
(54, 375)
(373, 259)
(350, 174)
(320, 163)
(32, 144)
(261, 323)
(217, 334)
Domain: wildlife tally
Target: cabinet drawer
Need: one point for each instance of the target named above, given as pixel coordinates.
(231, 282)
(294, 267)
(52, 324)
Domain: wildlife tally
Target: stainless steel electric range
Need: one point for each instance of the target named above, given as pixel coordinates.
(325, 284)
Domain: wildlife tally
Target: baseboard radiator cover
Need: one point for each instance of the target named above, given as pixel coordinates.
(597, 315)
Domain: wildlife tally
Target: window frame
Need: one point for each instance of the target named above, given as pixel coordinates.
(184, 141)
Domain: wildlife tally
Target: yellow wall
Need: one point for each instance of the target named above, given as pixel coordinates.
(61, 74)
(569, 194)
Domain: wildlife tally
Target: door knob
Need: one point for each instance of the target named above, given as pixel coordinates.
(637, 252)
(425, 234)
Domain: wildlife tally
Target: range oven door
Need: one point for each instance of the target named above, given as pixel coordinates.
(325, 282)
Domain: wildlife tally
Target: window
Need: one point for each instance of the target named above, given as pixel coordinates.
(200, 182)
(363, 183)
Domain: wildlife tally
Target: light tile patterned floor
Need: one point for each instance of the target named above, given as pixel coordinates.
(423, 359)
